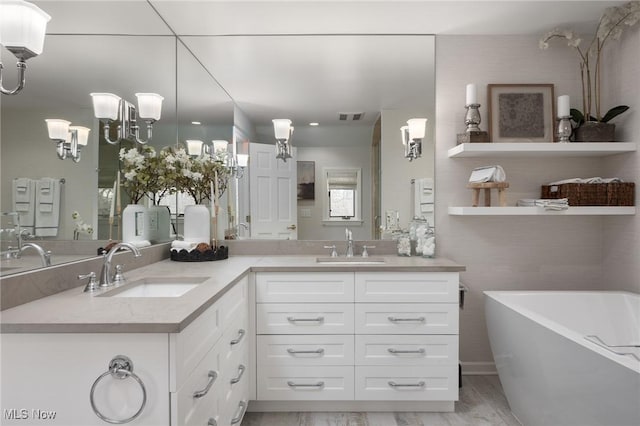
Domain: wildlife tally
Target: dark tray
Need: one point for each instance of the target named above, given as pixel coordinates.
(219, 253)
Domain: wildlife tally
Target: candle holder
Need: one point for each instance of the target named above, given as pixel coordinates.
(472, 120)
(564, 129)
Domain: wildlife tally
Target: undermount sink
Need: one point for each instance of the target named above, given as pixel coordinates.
(157, 287)
(350, 260)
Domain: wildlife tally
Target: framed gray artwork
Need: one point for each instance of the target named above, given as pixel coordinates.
(306, 180)
(521, 112)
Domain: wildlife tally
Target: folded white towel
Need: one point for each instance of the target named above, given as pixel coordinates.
(141, 243)
(488, 174)
(183, 245)
(595, 179)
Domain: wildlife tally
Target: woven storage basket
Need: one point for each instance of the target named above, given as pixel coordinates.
(592, 194)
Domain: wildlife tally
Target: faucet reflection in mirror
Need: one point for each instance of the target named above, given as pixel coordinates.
(283, 130)
(412, 135)
(110, 107)
(22, 29)
(69, 139)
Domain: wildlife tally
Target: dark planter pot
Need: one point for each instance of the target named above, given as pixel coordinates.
(593, 131)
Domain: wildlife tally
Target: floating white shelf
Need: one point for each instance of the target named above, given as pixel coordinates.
(573, 149)
(540, 211)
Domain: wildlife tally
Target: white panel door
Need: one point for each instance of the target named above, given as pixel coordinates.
(273, 194)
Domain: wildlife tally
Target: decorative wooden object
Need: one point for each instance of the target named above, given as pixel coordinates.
(488, 186)
(473, 137)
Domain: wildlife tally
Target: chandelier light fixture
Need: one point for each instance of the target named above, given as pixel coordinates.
(114, 109)
(69, 139)
(283, 130)
(22, 29)
(412, 135)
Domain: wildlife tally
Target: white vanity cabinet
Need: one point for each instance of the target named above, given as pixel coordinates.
(357, 336)
(47, 377)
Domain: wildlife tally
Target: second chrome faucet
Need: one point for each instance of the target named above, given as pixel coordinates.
(105, 274)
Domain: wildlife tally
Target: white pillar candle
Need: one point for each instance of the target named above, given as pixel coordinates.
(472, 94)
(563, 106)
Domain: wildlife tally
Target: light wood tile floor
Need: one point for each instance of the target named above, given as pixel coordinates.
(482, 403)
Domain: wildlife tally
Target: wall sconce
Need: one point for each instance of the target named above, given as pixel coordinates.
(283, 130)
(69, 139)
(235, 163)
(110, 107)
(412, 135)
(22, 29)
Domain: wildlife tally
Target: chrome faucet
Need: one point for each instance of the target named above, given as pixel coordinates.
(105, 274)
(241, 225)
(349, 235)
(44, 255)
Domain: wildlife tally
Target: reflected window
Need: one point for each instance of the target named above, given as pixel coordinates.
(343, 194)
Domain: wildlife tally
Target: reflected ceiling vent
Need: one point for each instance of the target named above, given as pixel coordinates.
(350, 116)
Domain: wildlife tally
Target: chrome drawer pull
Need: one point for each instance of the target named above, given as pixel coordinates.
(317, 351)
(305, 385)
(235, 380)
(294, 319)
(418, 319)
(238, 339)
(242, 406)
(420, 351)
(394, 385)
(212, 378)
(212, 422)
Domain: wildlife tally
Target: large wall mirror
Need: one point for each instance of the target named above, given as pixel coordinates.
(377, 82)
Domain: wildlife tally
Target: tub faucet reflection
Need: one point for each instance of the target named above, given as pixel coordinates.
(44, 255)
(105, 274)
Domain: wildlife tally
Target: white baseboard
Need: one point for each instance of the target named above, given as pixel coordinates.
(349, 406)
(478, 368)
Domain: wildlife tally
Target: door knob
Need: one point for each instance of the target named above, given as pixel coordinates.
(292, 227)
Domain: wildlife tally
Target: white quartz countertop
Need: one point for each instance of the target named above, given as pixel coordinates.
(74, 311)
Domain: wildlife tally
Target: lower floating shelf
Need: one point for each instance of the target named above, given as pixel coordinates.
(540, 211)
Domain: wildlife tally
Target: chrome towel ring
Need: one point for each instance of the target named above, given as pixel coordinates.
(120, 368)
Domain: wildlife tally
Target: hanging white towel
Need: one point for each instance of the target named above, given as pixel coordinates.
(423, 198)
(47, 207)
(24, 203)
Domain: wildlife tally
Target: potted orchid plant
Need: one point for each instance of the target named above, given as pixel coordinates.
(592, 123)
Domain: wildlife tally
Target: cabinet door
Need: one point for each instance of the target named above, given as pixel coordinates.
(304, 287)
(406, 318)
(407, 287)
(305, 350)
(50, 376)
(307, 318)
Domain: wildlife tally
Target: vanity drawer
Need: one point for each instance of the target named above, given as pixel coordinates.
(408, 287)
(433, 383)
(304, 287)
(402, 350)
(290, 350)
(307, 318)
(277, 383)
(406, 318)
(187, 348)
(188, 410)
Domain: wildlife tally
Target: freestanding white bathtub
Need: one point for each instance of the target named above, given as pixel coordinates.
(551, 372)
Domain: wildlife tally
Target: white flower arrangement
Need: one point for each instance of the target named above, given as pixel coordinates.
(610, 26)
(81, 226)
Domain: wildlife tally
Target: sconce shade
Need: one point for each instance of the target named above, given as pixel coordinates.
(281, 128)
(83, 134)
(149, 106)
(219, 145)
(58, 129)
(403, 133)
(194, 146)
(417, 128)
(22, 25)
(243, 160)
(105, 105)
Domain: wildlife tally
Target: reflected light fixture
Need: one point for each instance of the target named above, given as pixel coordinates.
(196, 147)
(114, 109)
(69, 139)
(412, 135)
(283, 130)
(22, 29)
(235, 163)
